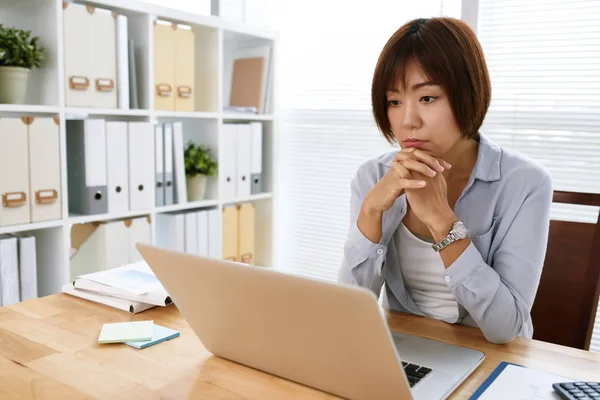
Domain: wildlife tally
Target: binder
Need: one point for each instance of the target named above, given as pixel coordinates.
(179, 166)
(228, 165)
(244, 160)
(246, 243)
(117, 167)
(184, 68)
(27, 265)
(170, 231)
(78, 52)
(139, 232)
(103, 58)
(122, 44)
(44, 169)
(14, 171)
(202, 233)
(169, 185)
(164, 66)
(159, 153)
(230, 233)
(114, 244)
(86, 166)
(133, 92)
(191, 233)
(256, 157)
(9, 271)
(141, 166)
(214, 234)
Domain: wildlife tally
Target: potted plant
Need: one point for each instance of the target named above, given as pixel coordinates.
(199, 165)
(19, 53)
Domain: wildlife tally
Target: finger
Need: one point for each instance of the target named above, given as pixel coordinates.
(444, 164)
(428, 159)
(412, 184)
(402, 172)
(418, 166)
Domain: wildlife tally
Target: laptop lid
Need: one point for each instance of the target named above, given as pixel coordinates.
(330, 337)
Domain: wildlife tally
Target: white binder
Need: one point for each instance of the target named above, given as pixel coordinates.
(256, 156)
(228, 165)
(179, 166)
(86, 166)
(168, 158)
(202, 232)
(104, 59)
(244, 161)
(191, 231)
(115, 244)
(14, 172)
(44, 169)
(27, 266)
(122, 62)
(9, 271)
(214, 234)
(139, 232)
(159, 163)
(77, 34)
(141, 166)
(117, 167)
(170, 231)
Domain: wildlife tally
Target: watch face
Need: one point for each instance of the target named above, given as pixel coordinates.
(460, 230)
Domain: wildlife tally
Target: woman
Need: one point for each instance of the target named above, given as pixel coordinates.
(454, 225)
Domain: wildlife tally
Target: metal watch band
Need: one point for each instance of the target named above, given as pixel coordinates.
(444, 242)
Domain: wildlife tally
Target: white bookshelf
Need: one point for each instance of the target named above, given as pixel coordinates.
(216, 39)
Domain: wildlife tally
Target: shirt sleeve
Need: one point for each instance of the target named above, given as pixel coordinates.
(499, 297)
(362, 260)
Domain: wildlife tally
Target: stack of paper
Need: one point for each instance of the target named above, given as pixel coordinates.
(132, 287)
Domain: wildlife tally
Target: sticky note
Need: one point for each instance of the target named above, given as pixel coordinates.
(160, 335)
(120, 332)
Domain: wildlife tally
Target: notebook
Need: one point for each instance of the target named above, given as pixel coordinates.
(159, 335)
(120, 332)
(513, 381)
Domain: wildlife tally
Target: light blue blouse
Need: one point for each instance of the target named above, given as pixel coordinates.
(506, 207)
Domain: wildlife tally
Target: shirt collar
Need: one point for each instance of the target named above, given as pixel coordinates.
(487, 166)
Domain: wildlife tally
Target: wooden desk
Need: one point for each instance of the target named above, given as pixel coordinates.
(48, 350)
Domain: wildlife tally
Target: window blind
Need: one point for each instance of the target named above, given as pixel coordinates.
(544, 62)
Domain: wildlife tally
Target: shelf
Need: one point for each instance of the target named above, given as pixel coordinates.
(27, 108)
(186, 114)
(31, 226)
(247, 117)
(187, 206)
(85, 219)
(84, 112)
(255, 197)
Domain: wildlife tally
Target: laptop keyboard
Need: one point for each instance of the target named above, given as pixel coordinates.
(415, 372)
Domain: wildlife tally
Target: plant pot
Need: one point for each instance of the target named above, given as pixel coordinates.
(196, 187)
(13, 85)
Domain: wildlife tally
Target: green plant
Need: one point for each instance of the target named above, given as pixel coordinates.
(199, 160)
(19, 49)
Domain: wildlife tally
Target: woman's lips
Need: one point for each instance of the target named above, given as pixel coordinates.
(414, 143)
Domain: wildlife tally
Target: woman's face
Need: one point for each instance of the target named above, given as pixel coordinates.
(420, 115)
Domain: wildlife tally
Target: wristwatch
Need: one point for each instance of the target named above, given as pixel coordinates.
(459, 231)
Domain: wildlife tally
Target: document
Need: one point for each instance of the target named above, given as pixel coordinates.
(136, 278)
(514, 382)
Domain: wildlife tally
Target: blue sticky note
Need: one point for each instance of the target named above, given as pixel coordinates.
(160, 334)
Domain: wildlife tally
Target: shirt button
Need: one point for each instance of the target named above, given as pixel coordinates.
(447, 278)
(380, 251)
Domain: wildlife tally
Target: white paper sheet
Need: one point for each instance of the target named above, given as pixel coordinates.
(518, 383)
(136, 278)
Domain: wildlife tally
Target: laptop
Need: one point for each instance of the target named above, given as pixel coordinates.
(330, 337)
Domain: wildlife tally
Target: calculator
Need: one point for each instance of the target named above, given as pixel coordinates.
(578, 390)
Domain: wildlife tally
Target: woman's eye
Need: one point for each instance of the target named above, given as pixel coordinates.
(428, 99)
(393, 103)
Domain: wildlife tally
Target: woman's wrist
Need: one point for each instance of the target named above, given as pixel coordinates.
(442, 224)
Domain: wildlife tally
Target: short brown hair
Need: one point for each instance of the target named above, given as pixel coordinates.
(449, 54)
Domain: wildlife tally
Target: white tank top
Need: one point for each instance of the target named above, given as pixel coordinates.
(423, 272)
